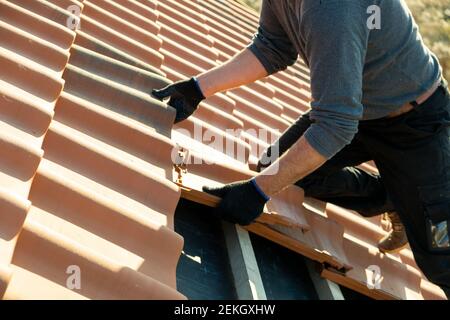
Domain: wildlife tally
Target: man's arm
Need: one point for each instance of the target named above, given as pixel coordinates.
(336, 49)
(298, 162)
(186, 95)
(243, 69)
(270, 51)
(243, 201)
(336, 43)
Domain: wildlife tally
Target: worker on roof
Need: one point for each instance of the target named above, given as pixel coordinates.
(377, 94)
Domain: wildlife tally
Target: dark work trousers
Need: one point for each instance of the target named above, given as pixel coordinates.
(412, 153)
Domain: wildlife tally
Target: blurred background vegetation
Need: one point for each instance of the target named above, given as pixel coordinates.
(433, 18)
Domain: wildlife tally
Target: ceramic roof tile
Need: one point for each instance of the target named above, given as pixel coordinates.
(90, 42)
(234, 14)
(107, 151)
(82, 165)
(30, 84)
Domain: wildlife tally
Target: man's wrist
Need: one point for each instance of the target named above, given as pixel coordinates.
(205, 84)
(259, 190)
(199, 88)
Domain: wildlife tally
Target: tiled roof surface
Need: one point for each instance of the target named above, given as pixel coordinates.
(86, 175)
(85, 170)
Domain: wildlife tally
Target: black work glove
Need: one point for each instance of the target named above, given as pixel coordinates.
(185, 97)
(241, 202)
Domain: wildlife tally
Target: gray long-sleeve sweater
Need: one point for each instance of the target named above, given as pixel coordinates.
(357, 72)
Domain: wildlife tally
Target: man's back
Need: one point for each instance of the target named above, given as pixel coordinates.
(357, 72)
(397, 66)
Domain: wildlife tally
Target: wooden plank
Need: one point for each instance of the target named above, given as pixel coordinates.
(293, 244)
(272, 218)
(326, 289)
(362, 288)
(331, 251)
(288, 237)
(199, 197)
(248, 282)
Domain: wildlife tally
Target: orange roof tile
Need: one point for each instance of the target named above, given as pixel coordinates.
(81, 165)
(86, 172)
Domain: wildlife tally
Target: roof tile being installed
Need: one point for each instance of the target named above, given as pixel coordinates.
(86, 174)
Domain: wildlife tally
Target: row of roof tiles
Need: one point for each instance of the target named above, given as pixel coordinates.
(87, 173)
(90, 151)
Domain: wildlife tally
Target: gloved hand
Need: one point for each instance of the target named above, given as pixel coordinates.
(242, 202)
(185, 97)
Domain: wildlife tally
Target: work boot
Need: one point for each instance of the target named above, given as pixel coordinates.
(396, 239)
